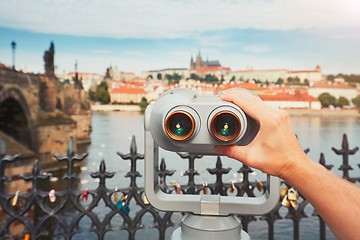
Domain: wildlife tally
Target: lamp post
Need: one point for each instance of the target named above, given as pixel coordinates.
(13, 46)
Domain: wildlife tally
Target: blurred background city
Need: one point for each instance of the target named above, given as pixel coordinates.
(86, 70)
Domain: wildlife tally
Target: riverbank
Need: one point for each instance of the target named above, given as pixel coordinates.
(115, 108)
(324, 112)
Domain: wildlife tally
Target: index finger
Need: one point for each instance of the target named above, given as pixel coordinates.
(247, 101)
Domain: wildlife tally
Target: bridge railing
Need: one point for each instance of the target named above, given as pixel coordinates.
(103, 213)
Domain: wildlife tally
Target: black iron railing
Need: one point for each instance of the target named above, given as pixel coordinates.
(100, 213)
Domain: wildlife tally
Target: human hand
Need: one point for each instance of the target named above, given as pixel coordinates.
(275, 149)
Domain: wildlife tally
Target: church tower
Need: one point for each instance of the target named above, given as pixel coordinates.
(198, 61)
(192, 64)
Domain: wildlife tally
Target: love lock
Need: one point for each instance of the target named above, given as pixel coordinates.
(52, 196)
(292, 195)
(116, 195)
(232, 188)
(285, 202)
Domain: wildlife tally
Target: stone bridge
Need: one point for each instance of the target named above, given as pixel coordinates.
(39, 113)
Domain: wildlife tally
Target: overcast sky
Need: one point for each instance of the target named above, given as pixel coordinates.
(141, 35)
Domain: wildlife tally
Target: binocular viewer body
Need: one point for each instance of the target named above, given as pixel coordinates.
(183, 121)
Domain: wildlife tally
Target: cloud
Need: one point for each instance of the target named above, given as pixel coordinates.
(158, 19)
(219, 40)
(134, 54)
(256, 48)
(100, 51)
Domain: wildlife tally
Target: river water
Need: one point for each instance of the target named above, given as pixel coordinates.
(112, 133)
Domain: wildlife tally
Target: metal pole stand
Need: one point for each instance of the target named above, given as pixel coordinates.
(202, 227)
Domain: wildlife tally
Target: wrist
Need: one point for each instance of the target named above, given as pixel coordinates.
(296, 165)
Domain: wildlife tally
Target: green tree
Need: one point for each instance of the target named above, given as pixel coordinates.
(159, 76)
(176, 77)
(92, 95)
(330, 77)
(356, 102)
(342, 101)
(143, 104)
(280, 81)
(211, 78)
(327, 99)
(102, 95)
(103, 85)
(222, 79)
(194, 76)
(293, 81)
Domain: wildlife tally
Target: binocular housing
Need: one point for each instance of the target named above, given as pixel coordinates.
(183, 121)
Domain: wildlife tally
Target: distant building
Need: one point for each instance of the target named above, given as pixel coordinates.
(299, 99)
(273, 75)
(256, 88)
(204, 67)
(88, 80)
(114, 77)
(336, 89)
(200, 63)
(161, 73)
(126, 94)
(314, 75)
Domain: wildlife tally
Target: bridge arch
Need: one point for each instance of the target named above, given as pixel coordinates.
(15, 118)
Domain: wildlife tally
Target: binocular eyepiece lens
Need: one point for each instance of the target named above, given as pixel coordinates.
(179, 125)
(225, 126)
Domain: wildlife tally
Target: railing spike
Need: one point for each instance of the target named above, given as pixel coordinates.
(133, 147)
(218, 163)
(162, 164)
(102, 167)
(345, 142)
(70, 148)
(36, 168)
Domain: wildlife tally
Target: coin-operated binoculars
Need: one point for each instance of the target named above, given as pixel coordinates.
(182, 121)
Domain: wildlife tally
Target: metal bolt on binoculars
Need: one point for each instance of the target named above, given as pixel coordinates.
(182, 121)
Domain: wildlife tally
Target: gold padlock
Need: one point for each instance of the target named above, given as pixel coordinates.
(116, 196)
(283, 192)
(15, 199)
(292, 195)
(260, 185)
(285, 202)
(205, 189)
(293, 203)
(232, 188)
(146, 201)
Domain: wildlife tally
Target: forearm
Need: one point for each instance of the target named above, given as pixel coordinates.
(336, 200)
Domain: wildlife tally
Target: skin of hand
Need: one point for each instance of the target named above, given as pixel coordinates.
(275, 150)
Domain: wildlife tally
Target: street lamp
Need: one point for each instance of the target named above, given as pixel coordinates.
(13, 46)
